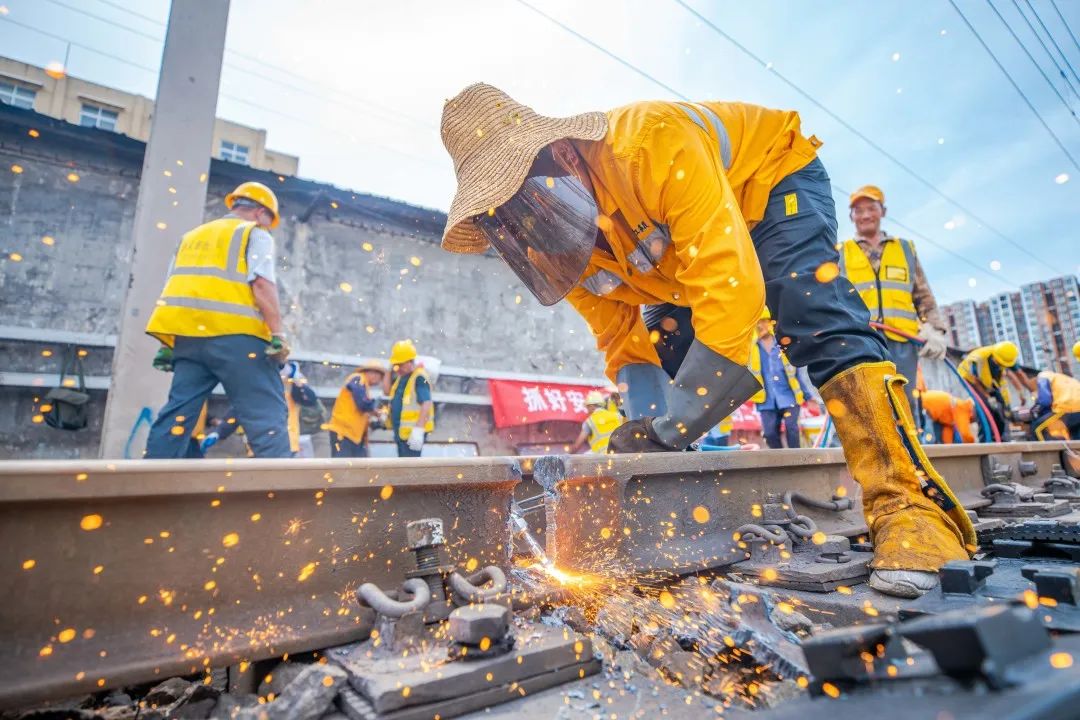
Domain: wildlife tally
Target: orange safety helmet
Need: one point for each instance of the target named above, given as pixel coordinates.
(259, 193)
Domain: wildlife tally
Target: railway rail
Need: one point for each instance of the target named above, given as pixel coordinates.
(130, 571)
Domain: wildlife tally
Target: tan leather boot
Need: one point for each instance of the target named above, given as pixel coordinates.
(901, 490)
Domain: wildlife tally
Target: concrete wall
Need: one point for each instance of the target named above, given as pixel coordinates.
(62, 98)
(356, 273)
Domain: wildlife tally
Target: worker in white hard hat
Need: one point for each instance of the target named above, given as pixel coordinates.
(219, 321)
(987, 370)
(412, 412)
(598, 426)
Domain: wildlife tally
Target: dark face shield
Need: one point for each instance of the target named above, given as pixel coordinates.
(545, 233)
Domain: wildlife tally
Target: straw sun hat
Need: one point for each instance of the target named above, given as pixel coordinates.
(493, 141)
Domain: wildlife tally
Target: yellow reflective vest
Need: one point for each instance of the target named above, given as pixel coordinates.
(678, 187)
(887, 292)
(293, 417)
(600, 424)
(207, 293)
(346, 419)
(756, 361)
(975, 368)
(410, 408)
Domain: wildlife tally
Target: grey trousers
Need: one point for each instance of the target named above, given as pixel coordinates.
(251, 382)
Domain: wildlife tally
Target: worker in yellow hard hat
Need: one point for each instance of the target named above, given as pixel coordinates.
(598, 426)
(350, 418)
(712, 207)
(219, 321)
(412, 412)
(782, 393)
(1076, 351)
(986, 369)
(889, 278)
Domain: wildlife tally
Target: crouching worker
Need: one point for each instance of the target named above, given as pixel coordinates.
(1056, 412)
(951, 416)
(692, 204)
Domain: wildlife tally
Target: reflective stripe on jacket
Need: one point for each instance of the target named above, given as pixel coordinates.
(410, 408)
(346, 419)
(755, 366)
(207, 293)
(601, 423)
(887, 292)
(679, 185)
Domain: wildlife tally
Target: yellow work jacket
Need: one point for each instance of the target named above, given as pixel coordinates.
(679, 185)
(1065, 394)
(975, 368)
(756, 352)
(207, 293)
(346, 419)
(887, 292)
(600, 424)
(410, 408)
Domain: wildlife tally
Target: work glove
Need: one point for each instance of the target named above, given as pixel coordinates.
(636, 436)
(416, 439)
(935, 344)
(163, 361)
(209, 441)
(707, 388)
(278, 349)
(290, 370)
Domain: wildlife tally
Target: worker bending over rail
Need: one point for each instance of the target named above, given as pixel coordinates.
(351, 417)
(1055, 415)
(219, 322)
(715, 207)
(986, 369)
(951, 416)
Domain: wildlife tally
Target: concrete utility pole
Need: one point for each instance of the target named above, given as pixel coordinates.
(172, 198)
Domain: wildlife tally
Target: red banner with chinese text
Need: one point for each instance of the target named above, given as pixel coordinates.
(516, 402)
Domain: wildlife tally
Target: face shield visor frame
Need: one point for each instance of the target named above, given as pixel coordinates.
(547, 231)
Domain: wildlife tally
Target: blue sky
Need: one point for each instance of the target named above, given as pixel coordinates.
(356, 89)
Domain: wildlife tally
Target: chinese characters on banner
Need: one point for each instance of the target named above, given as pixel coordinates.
(515, 402)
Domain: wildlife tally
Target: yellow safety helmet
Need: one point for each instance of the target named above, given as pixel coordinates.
(1005, 353)
(402, 352)
(256, 192)
(1076, 351)
(765, 314)
(595, 397)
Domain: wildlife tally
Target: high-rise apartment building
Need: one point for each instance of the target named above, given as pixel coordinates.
(962, 324)
(1009, 323)
(1052, 309)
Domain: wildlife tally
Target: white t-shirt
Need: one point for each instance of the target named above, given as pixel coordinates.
(260, 255)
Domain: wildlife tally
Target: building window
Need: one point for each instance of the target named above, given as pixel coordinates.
(234, 153)
(17, 95)
(98, 117)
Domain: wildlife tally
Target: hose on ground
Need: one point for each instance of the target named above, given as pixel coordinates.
(372, 595)
(471, 589)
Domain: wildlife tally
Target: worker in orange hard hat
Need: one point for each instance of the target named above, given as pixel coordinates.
(597, 428)
(987, 370)
(712, 207)
(412, 412)
(889, 278)
(219, 321)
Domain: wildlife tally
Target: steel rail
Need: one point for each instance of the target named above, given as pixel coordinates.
(123, 572)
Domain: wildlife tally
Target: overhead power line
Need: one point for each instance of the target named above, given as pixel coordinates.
(1049, 54)
(329, 95)
(862, 136)
(1068, 29)
(1016, 87)
(677, 93)
(305, 121)
(1050, 35)
(1032, 58)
